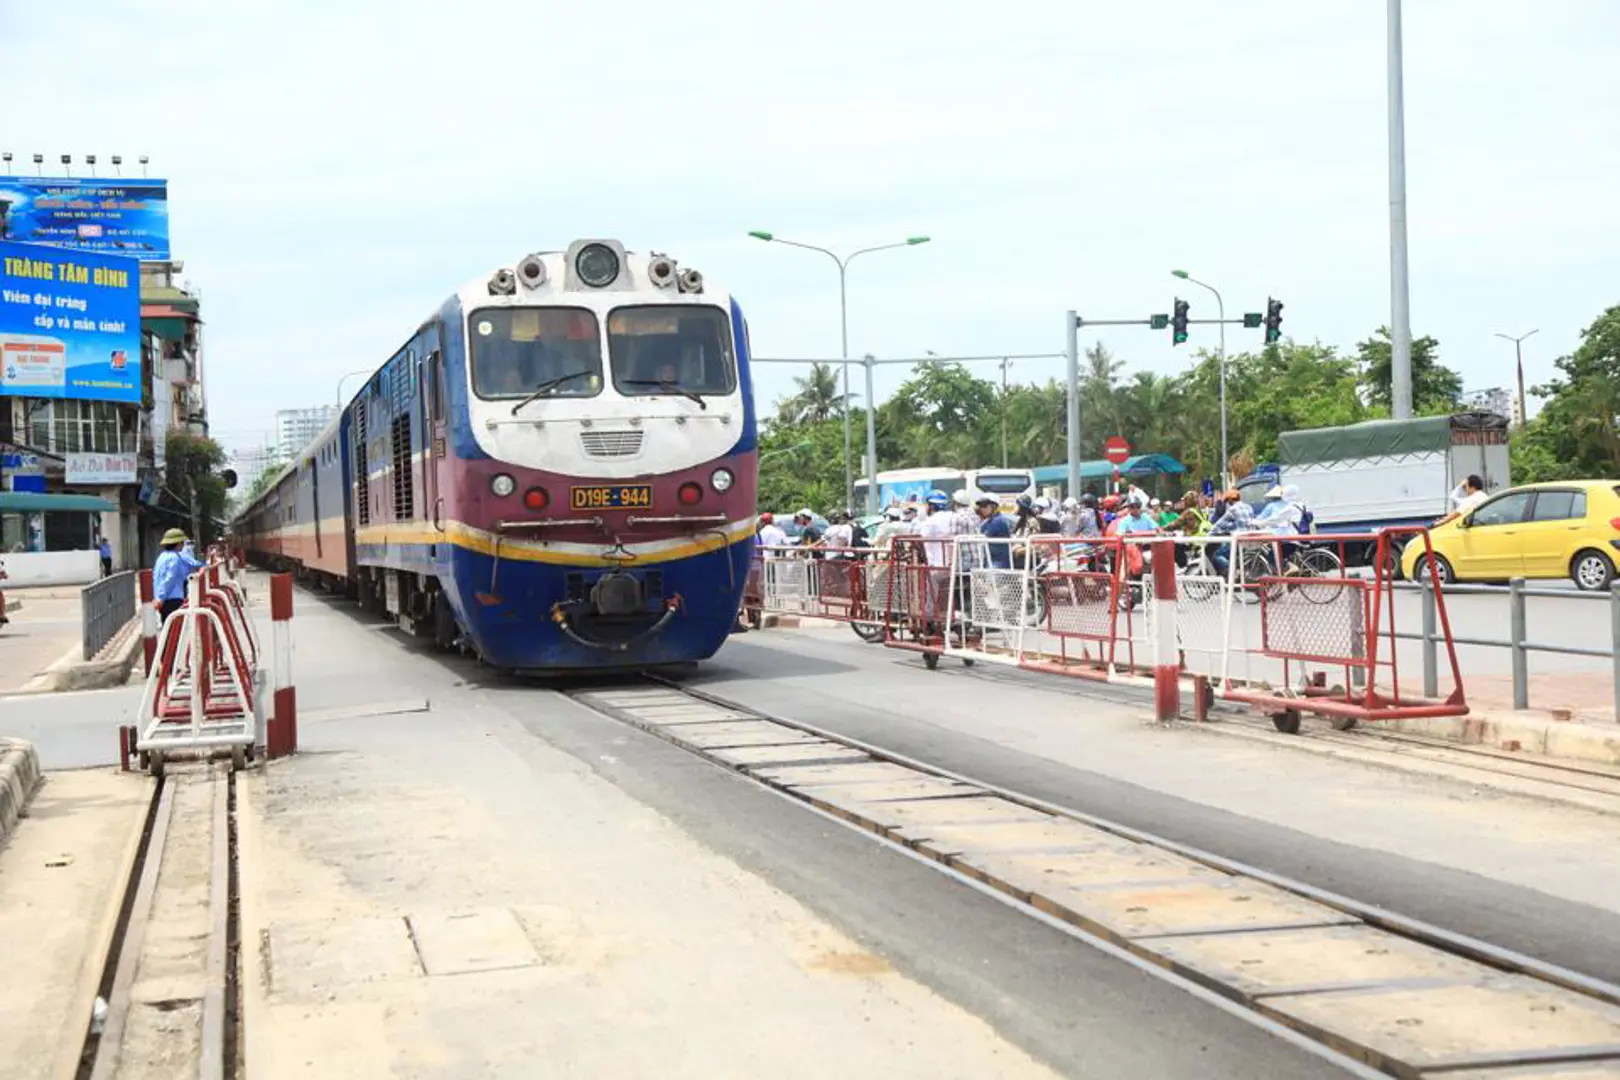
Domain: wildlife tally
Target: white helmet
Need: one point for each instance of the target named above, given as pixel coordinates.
(960, 497)
(1071, 503)
(1043, 503)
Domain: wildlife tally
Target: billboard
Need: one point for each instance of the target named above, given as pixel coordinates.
(70, 324)
(117, 216)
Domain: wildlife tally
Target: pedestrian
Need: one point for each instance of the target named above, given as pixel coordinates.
(175, 564)
(1238, 519)
(995, 529)
(893, 525)
(770, 533)
(809, 535)
(937, 527)
(105, 550)
(1466, 498)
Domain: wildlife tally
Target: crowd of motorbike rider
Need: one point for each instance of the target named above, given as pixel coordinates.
(1130, 512)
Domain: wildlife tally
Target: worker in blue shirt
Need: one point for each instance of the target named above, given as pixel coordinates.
(169, 574)
(994, 527)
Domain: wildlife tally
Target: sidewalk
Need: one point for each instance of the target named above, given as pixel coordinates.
(62, 874)
(42, 648)
(43, 631)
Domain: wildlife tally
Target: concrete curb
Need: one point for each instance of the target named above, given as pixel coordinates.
(1528, 731)
(71, 672)
(19, 776)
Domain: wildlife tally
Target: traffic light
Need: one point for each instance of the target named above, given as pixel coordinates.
(1178, 323)
(1273, 321)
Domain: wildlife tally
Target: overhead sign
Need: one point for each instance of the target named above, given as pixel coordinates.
(101, 469)
(70, 324)
(116, 216)
(1116, 450)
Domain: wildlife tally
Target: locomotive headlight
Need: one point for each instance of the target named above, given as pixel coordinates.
(721, 480)
(502, 484)
(597, 265)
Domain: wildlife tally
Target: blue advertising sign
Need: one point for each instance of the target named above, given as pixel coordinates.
(70, 324)
(116, 216)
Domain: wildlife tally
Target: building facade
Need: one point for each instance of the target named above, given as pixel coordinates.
(297, 428)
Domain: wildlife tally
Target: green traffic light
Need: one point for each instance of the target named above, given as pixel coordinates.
(1180, 337)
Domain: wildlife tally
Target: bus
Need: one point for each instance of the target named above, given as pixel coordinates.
(898, 486)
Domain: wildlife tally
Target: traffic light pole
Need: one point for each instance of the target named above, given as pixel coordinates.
(1072, 323)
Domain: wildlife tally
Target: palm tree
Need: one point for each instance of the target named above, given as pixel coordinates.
(817, 398)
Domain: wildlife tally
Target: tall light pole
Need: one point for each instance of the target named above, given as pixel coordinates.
(1005, 363)
(843, 329)
(1220, 311)
(346, 378)
(1400, 298)
(1518, 357)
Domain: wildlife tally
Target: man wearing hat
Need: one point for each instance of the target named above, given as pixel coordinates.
(174, 565)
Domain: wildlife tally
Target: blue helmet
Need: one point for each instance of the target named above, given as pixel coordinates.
(938, 498)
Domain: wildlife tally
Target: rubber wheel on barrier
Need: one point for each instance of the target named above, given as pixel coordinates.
(754, 618)
(968, 661)
(1342, 723)
(931, 660)
(1209, 697)
(238, 758)
(1287, 721)
(156, 766)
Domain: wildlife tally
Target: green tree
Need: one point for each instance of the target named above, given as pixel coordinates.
(1577, 433)
(1287, 387)
(816, 399)
(1435, 387)
(192, 484)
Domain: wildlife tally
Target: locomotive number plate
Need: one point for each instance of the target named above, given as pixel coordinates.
(611, 497)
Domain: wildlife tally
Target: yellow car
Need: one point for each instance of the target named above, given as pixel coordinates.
(1559, 529)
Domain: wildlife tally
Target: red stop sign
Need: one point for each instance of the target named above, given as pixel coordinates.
(1116, 450)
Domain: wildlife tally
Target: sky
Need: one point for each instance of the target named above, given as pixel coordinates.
(337, 170)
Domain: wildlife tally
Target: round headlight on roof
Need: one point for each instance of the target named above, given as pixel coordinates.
(597, 265)
(721, 480)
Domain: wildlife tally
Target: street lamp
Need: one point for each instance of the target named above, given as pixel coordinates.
(346, 378)
(794, 449)
(843, 328)
(1518, 355)
(1220, 311)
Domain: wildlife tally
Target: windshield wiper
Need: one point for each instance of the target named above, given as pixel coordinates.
(551, 384)
(668, 386)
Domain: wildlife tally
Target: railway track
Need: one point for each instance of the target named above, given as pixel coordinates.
(1373, 991)
(168, 1005)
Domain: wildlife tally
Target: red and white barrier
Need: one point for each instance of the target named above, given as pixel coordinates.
(282, 735)
(1267, 630)
(149, 622)
(206, 675)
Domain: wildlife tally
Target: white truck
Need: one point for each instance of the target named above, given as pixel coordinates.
(1361, 478)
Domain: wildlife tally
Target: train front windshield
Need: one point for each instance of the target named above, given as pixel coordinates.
(516, 351)
(671, 349)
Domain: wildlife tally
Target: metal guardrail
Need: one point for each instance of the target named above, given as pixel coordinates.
(107, 606)
(1518, 641)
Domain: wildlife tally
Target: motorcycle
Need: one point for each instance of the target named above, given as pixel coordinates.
(1076, 574)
